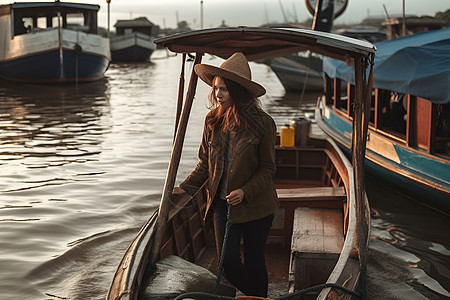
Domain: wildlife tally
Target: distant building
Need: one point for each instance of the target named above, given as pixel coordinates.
(394, 26)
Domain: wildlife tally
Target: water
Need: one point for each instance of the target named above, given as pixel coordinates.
(82, 168)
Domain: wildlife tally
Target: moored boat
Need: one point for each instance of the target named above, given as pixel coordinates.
(134, 40)
(319, 235)
(408, 143)
(51, 42)
(298, 72)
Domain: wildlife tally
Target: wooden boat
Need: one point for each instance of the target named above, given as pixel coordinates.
(319, 235)
(298, 72)
(51, 42)
(133, 41)
(408, 140)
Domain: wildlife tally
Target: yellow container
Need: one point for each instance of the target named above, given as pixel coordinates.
(287, 136)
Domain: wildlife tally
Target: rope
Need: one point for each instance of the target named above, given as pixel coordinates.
(201, 295)
(224, 247)
(206, 296)
(304, 84)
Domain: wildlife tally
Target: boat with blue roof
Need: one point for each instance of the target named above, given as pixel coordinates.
(408, 139)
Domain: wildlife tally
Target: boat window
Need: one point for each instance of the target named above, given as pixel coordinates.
(393, 112)
(76, 21)
(442, 145)
(345, 101)
(34, 20)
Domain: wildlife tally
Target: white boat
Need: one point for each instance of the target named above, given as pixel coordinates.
(51, 42)
(298, 72)
(134, 40)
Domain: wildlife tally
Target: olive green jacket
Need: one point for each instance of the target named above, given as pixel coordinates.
(252, 167)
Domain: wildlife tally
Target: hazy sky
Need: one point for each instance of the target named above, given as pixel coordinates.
(165, 13)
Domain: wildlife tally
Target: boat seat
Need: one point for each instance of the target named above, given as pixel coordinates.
(314, 193)
(316, 243)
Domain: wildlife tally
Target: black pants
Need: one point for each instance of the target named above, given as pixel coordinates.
(249, 277)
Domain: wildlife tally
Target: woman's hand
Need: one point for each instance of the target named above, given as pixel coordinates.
(235, 197)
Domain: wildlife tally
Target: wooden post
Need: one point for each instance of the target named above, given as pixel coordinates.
(164, 206)
(361, 117)
(180, 95)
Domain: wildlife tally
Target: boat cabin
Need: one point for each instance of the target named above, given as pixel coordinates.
(412, 120)
(30, 17)
(141, 24)
(410, 99)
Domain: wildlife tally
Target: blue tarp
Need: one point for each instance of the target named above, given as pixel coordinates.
(417, 64)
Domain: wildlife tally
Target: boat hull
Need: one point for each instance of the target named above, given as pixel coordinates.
(45, 67)
(414, 172)
(36, 57)
(135, 47)
(295, 75)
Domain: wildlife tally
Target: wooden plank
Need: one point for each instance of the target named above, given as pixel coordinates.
(317, 230)
(315, 192)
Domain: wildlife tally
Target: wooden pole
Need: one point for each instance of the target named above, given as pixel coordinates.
(164, 206)
(403, 19)
(180, 94)
(360, 126)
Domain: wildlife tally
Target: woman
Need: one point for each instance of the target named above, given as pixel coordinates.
(237, 157)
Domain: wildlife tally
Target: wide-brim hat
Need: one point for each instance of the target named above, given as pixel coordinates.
(235, 68)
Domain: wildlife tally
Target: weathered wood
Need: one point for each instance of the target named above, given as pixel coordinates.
(317, 193)
(317, 241)
(317, 230)
(180, 94)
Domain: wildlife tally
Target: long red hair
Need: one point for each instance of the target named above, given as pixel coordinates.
(236, 116)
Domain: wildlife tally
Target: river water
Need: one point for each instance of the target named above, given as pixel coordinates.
(82, 168)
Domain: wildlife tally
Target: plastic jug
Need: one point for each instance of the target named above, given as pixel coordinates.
(287, 136)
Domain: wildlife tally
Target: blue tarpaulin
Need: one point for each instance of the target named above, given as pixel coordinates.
(417, 64)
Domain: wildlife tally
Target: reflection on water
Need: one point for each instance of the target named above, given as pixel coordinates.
(409, 249)
(50, 126)
(82, 168)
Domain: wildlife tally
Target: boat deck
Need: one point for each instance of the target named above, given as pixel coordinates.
(292, 194)
(277, 260)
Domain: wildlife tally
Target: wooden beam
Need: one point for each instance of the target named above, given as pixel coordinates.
(180, 94)
(164, 206)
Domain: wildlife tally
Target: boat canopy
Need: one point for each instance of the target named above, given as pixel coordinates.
(56, 4)
(259, 43)
(417, 64)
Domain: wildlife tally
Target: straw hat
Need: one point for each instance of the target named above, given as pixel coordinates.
(235, 68)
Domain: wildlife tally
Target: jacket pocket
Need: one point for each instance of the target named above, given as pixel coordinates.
(215, 150)
(247, 146)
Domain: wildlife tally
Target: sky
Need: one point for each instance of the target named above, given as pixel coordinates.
(166, 13)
